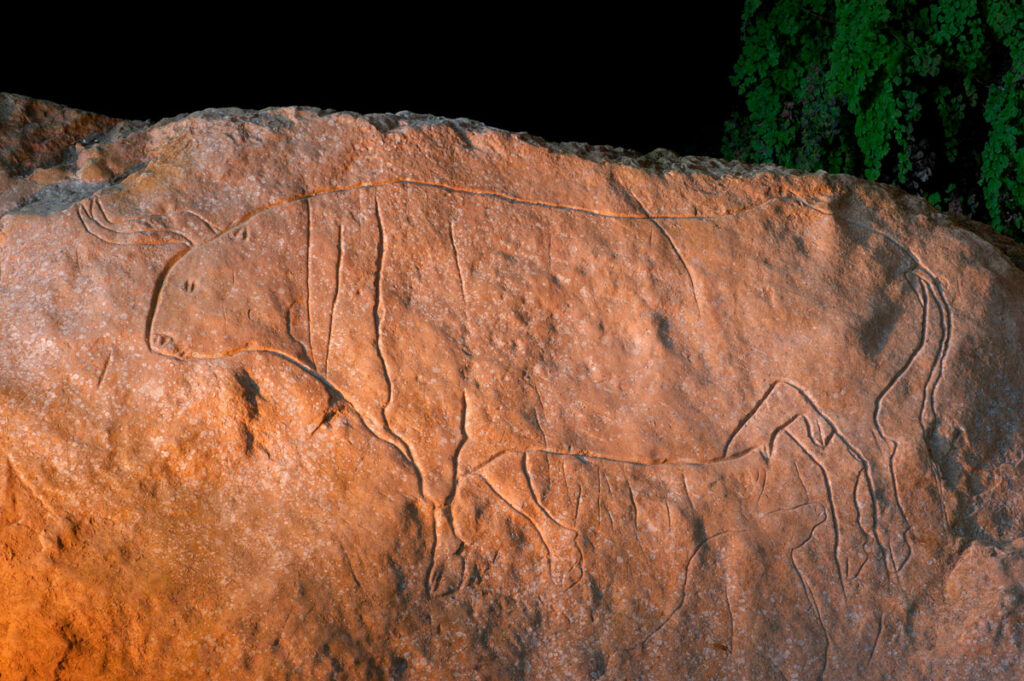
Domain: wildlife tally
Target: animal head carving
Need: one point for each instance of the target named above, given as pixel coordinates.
(244, 290)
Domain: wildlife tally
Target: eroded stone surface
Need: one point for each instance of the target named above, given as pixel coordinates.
(304, 394)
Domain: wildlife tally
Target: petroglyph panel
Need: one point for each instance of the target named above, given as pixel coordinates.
(518, 326)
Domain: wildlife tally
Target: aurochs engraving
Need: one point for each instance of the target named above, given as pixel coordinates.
(462, 323)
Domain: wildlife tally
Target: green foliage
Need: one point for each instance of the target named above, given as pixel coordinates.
(925, 94)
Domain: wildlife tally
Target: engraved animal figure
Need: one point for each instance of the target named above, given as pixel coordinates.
(458, 322)
(775, 485)
(786, 413)
(551, 501)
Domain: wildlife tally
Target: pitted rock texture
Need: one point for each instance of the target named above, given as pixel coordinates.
(315, 395)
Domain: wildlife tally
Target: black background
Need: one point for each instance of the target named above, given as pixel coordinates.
(636, 80)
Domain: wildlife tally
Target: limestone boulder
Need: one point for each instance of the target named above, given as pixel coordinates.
(306, 394)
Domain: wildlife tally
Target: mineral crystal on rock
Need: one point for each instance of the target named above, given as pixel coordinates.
(303, 394)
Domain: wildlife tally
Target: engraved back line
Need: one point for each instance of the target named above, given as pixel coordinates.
(511, 199)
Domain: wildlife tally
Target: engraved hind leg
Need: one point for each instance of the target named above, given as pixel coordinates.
(909, 397)
(886, 522)
(786, 409)
(890, 525)
(510, 476)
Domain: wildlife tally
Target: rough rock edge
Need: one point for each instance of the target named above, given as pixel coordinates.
(658, 162)
(116, 129)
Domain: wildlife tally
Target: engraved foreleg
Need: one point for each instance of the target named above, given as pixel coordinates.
(440, 484)
(427, 414)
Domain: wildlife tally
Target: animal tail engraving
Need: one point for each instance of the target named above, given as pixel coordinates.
(936, 298)
(926, 364)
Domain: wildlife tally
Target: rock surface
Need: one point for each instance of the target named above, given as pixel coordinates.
(316, 395)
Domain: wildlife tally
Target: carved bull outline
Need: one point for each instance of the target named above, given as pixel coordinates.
(875, 453)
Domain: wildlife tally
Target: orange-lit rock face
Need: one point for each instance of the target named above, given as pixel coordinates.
(319, 395)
